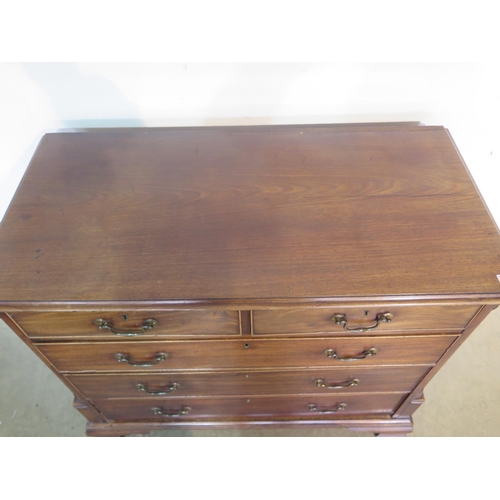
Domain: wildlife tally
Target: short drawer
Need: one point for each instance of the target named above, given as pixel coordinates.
(363, 320)
(238, 354)
(128, 324)
(354, 379)
(314, 406)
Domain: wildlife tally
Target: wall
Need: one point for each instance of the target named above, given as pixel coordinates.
(40, 97)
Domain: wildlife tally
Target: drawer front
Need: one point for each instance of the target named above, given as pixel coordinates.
(265, 353)
(128, 324)
(314, 406)
(319, 381)
(403, 319)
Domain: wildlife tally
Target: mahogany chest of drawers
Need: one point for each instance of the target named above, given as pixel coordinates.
(248, 276)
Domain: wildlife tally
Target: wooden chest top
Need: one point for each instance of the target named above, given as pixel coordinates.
(244, 213)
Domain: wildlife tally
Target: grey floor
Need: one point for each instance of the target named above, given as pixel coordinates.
(463, 399)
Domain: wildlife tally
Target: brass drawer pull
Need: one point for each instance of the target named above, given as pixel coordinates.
(125, 358)
(148, 324)
(332, 353)
(341, 319)
(350, 383)
(171, 413)
(339, 407)
(172, 387)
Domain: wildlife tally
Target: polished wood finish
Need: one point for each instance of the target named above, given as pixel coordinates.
(279, 406)
(242, 243)
(251, 383)
(251, 354)
(407, 319)
(188, 214)
(170, 323)
(376, 425)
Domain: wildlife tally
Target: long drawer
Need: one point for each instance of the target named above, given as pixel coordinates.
(130, 324)
(353, 379)
(314, 406)
(363, 320)
(238, 354)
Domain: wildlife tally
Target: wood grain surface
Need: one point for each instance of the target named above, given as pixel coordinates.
(241, 354)
(406, 319)
(204, 384)
(170, 323)
(235, 213)
(276, 406)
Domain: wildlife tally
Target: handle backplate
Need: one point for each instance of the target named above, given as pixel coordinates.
(125, 358)
(332, 353)
(350, 383)
(341, 319)
(104, 324)
(171, 413)
(162, 392)
(340, 407)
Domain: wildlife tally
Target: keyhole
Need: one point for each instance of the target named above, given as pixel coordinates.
(366, 312)
(246, 346)
(125, 317)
